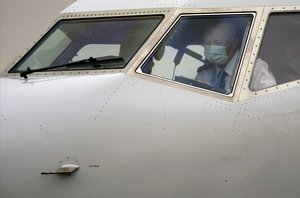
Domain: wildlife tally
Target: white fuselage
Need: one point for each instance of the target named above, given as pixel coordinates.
(137, 136)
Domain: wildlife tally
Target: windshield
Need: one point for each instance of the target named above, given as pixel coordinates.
(78, 39)
(202, 51)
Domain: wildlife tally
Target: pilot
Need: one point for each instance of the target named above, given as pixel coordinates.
(221, 57)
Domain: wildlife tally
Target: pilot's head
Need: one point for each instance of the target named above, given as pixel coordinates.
(220, 43)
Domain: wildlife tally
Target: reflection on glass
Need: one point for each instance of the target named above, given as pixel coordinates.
(202, 51)
(77, 39)
(278, 59)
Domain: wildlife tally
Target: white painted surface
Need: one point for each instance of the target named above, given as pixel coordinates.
(96, 5)
(137, 138)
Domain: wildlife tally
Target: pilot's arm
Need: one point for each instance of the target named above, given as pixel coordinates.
(262, 76)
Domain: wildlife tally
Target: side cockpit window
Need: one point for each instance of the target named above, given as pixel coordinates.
(279, 57)
(202, 51)
(93, 43)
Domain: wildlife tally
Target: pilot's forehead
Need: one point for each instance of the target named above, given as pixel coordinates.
(220, 33)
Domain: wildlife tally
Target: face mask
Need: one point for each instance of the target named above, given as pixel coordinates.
(216, 54)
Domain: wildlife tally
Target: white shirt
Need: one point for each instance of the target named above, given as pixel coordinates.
(262, 76)
(205, 75)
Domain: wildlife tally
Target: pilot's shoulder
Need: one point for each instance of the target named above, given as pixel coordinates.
(205, 67)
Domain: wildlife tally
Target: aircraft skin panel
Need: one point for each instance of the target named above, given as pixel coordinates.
(276, 133)
(145, 139)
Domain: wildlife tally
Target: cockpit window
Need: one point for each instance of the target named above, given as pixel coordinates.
(279, 57)
(89, 40)
(202, 51)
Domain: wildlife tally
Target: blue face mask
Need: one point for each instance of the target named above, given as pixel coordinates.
(216, 54)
